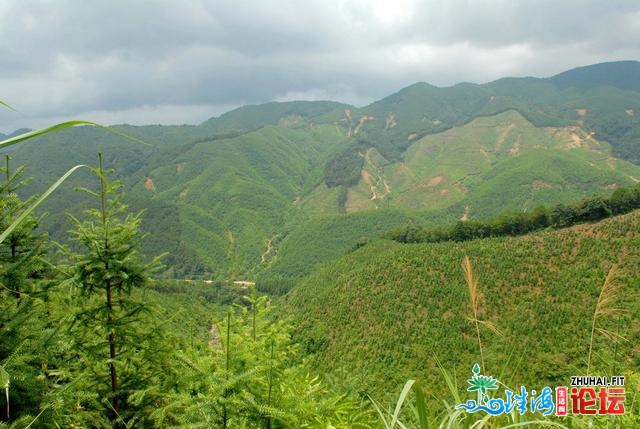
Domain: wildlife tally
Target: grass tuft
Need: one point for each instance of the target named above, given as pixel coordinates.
(605, 308)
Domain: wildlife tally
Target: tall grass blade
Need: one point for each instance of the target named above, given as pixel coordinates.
(2, 103)
(60, 127)
(421, 407)
(39, 201)
(396, 413)
(36, 417)
(608, 295)
(472, 282)
(380, 413)
(401, 399)
(451, 384)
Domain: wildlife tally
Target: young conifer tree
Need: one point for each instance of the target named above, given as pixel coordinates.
(21, 253)
(107, 272)
(22, 266)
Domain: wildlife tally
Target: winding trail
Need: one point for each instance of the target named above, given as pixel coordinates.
(270, 248)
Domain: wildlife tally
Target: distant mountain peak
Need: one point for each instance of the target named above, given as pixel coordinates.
(255, 116)
(618, 74)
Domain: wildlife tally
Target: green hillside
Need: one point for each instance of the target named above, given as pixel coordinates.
(387, 311)
(283, 187)
(237, 195)
(296, 201)
(488, 165)
(604, 98)
(325, 238)
(290, 114)
(213, 204)
(619, 74)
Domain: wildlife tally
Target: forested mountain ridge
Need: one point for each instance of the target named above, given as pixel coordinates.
(299, 196)
(242, 192)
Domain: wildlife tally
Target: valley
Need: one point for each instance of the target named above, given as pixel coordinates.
(425, 153)
(407, 239)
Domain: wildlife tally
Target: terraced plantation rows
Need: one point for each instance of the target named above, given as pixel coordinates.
(388, 311)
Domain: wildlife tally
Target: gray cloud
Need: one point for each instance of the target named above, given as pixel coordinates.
(147, 59)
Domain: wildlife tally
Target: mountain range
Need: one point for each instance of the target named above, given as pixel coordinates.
(274, 191)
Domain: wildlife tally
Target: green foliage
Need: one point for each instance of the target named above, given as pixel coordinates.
(591, 209)
(229, 186)
(290, 114)
(26, 322)
(423, 109)
(23, 265)
(619, 74)
(344, 168)
(394, 305)
(98, 343)
(252, 375)
(105, 274)
(21, 254)
(116, 356)
(324, 239)
(236, 184)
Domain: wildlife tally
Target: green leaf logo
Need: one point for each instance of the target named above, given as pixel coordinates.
(481, 383)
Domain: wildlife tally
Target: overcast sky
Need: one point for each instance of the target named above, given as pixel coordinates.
(184, 61)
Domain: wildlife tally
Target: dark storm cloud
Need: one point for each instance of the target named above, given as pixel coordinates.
(188, 60)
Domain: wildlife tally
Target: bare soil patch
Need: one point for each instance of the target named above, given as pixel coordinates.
(504, 134)
(149, 185)
(465, 217)
(361, 122)
(392, 121)
(541, 184)
(577, 141)
(366, 177)
(434, 181)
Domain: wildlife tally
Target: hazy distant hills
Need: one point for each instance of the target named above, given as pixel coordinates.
(281, 187)
(287, 114)
(623, 75)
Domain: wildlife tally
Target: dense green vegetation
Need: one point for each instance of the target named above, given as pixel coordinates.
(292, 114)
(345, 167)
(223, 200)
(133, 318)
(325, 239)
(562, 100)
(619, 74)
(233, 189)
(90, 340)
(623, 200)
(388, 311)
